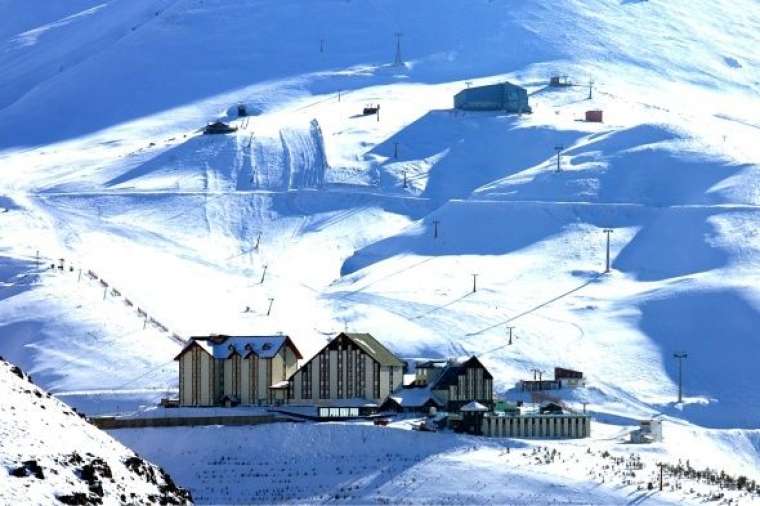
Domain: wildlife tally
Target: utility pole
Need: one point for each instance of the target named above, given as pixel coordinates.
(435, 228)
(680, 356)
(474, 283)
(405, 182)
(258, 242)
(263, 275)
(558, 149)
(339, 95)
(509, 329)
(468, 83)
(269, 309)
(590, 89)
(608, 231)
(398, 60)
(395, 150)
(662, 466)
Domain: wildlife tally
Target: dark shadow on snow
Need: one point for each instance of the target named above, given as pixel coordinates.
(719, 331)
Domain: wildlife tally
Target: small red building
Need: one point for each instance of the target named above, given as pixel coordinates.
(594, 116)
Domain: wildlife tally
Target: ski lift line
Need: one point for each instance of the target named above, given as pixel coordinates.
(532, 310)
(400, 271)
(312, 104)
(238, 255)
(442, 306)
(133, 380)
(288, 278)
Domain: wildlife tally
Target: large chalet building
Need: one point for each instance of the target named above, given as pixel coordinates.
(445, 384)
(231, 370)
(352, 374)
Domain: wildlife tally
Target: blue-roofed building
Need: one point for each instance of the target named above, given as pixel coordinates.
(505, 97)
(231, 370)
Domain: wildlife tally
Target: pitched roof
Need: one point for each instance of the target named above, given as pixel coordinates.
(455, 368)
(192, 343)
(223, 346)
(373, 348)
(474, 407)
(415, 397)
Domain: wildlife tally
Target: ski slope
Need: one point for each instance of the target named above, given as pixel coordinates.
(330, 216)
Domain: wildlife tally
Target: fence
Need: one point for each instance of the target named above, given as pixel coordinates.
(114, 292)
(547, 426)
(110, 422)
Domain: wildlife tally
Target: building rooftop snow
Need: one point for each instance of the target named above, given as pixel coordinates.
(222, 347)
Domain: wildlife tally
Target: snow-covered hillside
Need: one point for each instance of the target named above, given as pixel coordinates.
(330, 216)
(49, 455)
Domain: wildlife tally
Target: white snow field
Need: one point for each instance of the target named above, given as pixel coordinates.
(49, 455)
(305, 208)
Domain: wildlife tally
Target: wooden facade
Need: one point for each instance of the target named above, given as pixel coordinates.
(196, 376)
(351, 366)
(462, 382)
(230, 370)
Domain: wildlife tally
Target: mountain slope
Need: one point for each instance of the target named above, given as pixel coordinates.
(377, 223)
(48, 455)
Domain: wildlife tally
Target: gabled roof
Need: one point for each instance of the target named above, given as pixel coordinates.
(474, 407)
(373, 348)
(415, 397)
(455, 368)
(367, 344)
(192, 343)
(222, 347)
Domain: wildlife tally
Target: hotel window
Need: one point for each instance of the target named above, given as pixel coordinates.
(354, 411)
(306, 381)
(340, 373)
(361, 375)
(376, 381)
(324, 375)
(350, 359)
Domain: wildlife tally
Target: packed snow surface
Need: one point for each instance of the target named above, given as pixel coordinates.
(311, 218)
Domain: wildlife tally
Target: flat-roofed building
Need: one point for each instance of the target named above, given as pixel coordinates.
(505, 97)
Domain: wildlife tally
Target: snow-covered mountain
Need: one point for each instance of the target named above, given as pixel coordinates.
(49, 454)
(331, 216)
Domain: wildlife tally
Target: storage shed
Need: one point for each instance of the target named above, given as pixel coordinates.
(595, 116)
(495, 97)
